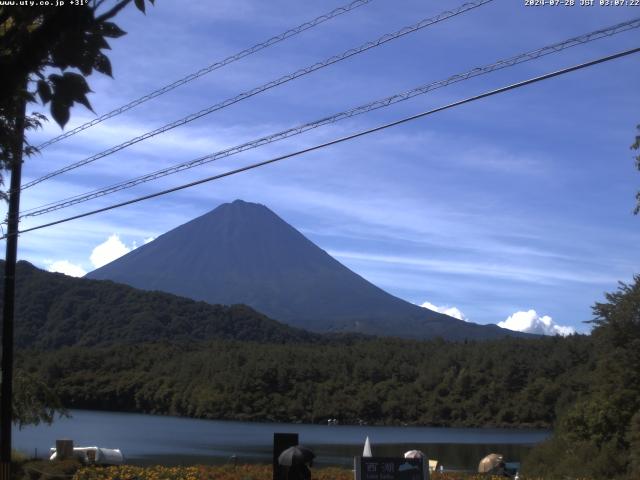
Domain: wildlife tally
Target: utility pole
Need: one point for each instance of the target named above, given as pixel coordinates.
(6, 389)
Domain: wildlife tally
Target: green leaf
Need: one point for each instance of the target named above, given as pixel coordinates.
(140, 5)
(109, 29)
(59, 58)
(84, 101)
(68, 50)
(60, 112)
(102, 64)
(67, 89)
(97, 42)
(76, 89)
(44, 90)
(84, 63)
(76, 82)
(55, 79)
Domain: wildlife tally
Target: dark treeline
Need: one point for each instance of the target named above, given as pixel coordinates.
(510, 382)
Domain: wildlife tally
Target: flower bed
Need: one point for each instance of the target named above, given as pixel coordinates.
(229, 472)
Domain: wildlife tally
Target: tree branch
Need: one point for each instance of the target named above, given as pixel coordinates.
(113, 12)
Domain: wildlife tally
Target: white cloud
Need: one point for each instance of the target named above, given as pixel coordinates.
(108, 251)
(451, 311)
(66, 267)
(531, 322)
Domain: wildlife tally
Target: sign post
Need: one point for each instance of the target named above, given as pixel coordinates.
(390, 468)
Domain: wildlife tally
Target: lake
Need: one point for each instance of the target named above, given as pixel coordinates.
(146, 439)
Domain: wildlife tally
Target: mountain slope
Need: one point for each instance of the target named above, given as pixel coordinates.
(244, 253)
(53, 310)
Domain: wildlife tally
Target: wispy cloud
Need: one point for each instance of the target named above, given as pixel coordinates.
(503, 271)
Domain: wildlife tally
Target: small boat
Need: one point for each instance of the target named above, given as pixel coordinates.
(95, 455)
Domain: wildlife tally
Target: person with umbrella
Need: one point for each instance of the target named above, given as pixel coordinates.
(295, 459)
(492, 464)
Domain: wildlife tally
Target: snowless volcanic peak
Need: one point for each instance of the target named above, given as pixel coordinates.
(243, 252)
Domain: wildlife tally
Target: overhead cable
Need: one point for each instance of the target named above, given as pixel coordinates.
(377, 104)
(214, 66)
(250, 93)
(339, 140)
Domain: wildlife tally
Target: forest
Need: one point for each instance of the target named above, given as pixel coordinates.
(100, 345)
(500, 383)
(103, 345)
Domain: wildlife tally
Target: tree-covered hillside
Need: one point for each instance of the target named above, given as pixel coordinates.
(511, 382)
(54, 311)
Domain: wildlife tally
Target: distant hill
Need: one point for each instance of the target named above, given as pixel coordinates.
(54, 311)
(244, 253)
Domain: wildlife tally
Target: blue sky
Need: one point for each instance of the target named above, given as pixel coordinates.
(518, 206)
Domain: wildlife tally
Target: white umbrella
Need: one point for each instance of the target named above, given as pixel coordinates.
(414, 454)
(488, 463)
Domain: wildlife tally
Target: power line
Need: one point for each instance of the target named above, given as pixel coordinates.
(377, 104)
(284, 79)
(340, 140)
(214, 66)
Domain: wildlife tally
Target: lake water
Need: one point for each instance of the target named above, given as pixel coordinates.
(146, 439)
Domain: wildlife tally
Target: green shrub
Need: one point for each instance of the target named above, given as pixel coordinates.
(47, 470)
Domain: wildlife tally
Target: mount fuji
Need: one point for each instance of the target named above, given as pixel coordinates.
(243, 253)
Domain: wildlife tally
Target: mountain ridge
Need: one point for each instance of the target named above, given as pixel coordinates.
(53, 311)
(242, 252)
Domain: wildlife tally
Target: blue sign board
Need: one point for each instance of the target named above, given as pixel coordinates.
(390, 468)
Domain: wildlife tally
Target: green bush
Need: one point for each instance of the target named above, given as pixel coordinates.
(47, 470)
